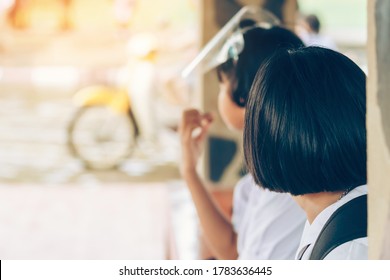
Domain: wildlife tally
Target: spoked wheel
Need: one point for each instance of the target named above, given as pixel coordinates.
(101, 137)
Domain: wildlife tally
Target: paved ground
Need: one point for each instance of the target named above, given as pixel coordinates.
(71, 222)
(47, 189)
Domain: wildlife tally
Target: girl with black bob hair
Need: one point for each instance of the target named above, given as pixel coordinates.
(264, 224)
(305, 135)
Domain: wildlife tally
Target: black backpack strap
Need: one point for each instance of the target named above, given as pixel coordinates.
(347, 223)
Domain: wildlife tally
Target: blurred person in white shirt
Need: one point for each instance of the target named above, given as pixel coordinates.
(309, 30)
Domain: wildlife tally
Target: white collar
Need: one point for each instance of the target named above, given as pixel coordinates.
(311, 231)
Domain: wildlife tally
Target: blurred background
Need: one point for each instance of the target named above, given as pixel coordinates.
(49, 49)
(82, 183)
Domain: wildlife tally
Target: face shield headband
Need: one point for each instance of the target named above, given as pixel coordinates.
(228, 43)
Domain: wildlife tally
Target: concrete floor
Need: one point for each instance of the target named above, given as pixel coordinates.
(72, 222)
(52, 207)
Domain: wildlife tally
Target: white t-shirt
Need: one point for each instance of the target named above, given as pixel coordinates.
(269, 225)
(353, 250)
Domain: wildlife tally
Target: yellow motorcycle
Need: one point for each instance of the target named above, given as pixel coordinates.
(106, 126)
(104, 130)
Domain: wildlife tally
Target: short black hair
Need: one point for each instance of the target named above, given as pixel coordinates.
(259, 44)
(305, 123)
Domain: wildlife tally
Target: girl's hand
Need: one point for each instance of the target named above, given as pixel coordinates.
(193, 130)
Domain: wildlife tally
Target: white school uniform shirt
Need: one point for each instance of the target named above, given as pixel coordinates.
(269, 225)
(353, 250)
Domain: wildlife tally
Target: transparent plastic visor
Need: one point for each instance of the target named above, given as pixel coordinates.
(229, 41)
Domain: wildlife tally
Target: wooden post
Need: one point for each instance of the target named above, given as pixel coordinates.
(223, 158)
(285, 10)
(378, 128)
(211, 21)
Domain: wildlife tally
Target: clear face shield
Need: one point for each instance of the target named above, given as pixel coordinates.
(228, 43)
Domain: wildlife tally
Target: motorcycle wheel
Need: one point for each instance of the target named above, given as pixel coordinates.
(100, 137)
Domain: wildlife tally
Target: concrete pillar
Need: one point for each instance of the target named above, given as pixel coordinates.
(378, 128)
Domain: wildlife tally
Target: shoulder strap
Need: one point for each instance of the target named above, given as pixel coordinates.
(347, 223)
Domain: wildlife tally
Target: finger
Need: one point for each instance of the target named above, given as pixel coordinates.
(189, 127)
(189, 113)
(189, 116)
(206, 122)
(209, 117)
(203, 132)
(193, 124)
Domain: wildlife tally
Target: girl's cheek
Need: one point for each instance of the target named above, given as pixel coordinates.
(232, 114)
